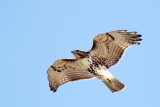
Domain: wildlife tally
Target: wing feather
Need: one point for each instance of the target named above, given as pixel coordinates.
(64, 71)
(109, 47)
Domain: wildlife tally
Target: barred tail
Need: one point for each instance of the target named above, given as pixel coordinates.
(113, 84)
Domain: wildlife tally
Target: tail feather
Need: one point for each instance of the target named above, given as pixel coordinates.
(113, 84)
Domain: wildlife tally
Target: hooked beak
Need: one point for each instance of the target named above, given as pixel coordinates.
(73, 52)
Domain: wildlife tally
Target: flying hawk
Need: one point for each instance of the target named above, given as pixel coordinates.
(106, 51)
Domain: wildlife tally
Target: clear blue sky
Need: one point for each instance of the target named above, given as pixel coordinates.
(35, 33)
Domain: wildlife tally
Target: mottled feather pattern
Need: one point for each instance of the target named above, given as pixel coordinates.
(64, 71)
(111, 46)
(107, 50)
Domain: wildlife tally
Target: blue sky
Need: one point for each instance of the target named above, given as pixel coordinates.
(35, 33)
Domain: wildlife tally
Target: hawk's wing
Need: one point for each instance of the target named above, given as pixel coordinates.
(109, 47)
(64, 71)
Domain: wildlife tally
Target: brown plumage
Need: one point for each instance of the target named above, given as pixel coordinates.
(106, 51)
(64, 71)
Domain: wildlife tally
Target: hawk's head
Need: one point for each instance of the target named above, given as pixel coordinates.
(79, 54)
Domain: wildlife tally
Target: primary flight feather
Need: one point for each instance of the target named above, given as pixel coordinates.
(106, 51)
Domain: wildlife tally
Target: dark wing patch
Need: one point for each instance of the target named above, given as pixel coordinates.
(109, 47)
(64, 71)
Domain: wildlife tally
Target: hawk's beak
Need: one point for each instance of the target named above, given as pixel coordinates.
(73, 52)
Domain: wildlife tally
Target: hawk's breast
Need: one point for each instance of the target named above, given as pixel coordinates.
(85, 63)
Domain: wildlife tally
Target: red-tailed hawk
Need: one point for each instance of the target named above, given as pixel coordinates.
(107, 50)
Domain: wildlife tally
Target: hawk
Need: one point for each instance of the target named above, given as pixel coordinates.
(106, 51)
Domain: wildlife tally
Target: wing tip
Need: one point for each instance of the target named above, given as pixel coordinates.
(53, 89)
(133, 37)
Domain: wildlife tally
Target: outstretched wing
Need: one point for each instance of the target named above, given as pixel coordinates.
(109, 47)
(64, 71)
